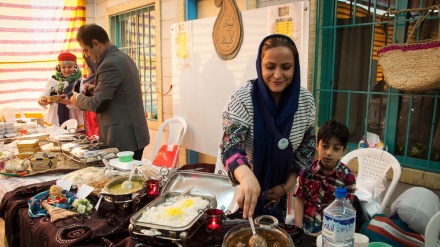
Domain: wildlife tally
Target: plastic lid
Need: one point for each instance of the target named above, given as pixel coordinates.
(341, 192)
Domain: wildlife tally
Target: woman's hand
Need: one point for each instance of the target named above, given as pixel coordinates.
(274, 195)
(43, 100)
(65, 100)
(248, 191)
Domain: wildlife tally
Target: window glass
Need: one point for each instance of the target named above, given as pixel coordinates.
(133, 32)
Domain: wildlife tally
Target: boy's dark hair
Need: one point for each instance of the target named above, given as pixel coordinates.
(89, 32)
(332, 128)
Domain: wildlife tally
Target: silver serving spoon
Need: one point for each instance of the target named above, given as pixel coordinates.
(255, 240)
(188, 189)
(128, 184)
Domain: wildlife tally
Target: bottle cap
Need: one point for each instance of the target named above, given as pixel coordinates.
(341, 192)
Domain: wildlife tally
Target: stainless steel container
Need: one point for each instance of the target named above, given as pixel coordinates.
(124, 200)
(181, 234)
(266, 226)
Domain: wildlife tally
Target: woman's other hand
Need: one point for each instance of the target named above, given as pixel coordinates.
(65, 100)
(43, 100)
(274, 195)
(248, 190)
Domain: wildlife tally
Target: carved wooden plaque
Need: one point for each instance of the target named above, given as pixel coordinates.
(227, 33)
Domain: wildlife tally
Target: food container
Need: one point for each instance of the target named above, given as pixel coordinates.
(124, 199)
(42, 161)
(266, 226)
(138, 228)
(125, 156)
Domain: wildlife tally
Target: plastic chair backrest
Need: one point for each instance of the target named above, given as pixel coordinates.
(219, 167)
(177, 127)
(9, 114)
(375, 163)
(432, 230)
(70, 125)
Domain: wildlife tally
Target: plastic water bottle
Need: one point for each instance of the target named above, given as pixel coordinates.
(339, 222)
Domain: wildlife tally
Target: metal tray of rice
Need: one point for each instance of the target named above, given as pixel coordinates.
(176, 221)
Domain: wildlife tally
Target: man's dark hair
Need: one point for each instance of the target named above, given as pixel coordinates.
(89, 32)
(332, 128)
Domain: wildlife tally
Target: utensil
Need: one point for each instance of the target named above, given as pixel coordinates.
(255, 240)
(127, 185)
(188, 189)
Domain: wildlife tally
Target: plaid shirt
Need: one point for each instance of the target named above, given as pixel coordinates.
(313, 183)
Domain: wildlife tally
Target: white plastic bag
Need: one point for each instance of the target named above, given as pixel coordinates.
(373, 141)
(369, 191)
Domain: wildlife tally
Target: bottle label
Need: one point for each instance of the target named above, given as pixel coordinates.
(337, 232)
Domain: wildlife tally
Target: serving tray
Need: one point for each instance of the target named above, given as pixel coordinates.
(182, 233)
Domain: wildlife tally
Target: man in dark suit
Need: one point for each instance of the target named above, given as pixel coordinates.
(117, 96)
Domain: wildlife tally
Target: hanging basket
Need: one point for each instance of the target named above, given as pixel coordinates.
(412, 66)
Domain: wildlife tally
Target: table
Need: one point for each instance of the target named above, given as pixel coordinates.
(105, 227)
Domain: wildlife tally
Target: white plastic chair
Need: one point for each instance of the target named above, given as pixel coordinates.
(177, 127)
(432, 230)
(9, 114)
(70, 125)
(374, 164)
(219, 167)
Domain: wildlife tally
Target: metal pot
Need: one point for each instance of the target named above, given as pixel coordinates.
(125, 199)
(266, 226)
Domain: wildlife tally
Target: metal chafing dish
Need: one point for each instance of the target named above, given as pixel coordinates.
(182, 234)
(221, 196)
(126, 199)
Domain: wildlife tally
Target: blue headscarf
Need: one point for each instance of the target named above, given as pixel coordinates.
(272, 123)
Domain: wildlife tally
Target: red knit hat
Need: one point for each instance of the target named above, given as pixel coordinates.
(67, 57)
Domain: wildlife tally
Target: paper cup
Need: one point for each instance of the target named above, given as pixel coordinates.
(319, 241)
(360, 240)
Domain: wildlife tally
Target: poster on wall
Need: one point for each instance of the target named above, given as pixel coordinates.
(291, 20)
(181, 38)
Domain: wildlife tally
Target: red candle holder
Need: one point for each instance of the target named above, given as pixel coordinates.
(214, 220)
(152, 188)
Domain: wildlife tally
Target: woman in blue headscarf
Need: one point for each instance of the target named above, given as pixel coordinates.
(269, 130)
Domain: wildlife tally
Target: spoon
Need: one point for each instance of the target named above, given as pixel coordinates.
(255, 240)
(128, 184)
(188, 189)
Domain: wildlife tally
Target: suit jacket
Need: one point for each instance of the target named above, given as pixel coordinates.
(122, 123)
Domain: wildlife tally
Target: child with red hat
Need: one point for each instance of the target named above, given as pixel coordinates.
(58, 91)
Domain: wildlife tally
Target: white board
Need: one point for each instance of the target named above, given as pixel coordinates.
(201, 92)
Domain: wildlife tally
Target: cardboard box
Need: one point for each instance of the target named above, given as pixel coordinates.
(54, 98)
(29, 150)
(28, 143)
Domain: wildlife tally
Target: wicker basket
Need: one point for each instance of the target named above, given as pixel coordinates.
(43, 161)
(412, 66)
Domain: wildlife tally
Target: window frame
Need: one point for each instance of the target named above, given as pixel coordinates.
(326, 25)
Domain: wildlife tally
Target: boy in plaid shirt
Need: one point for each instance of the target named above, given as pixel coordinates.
(316, 186)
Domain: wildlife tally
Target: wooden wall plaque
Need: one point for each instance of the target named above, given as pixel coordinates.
(227, 32)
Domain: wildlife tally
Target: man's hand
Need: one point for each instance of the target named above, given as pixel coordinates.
(73, 99)
(88, 89)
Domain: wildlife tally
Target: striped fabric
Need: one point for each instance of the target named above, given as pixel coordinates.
(32, 35)
(394, 232)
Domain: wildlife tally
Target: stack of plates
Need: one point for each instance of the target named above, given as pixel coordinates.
(9, 129)
(2, 129)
